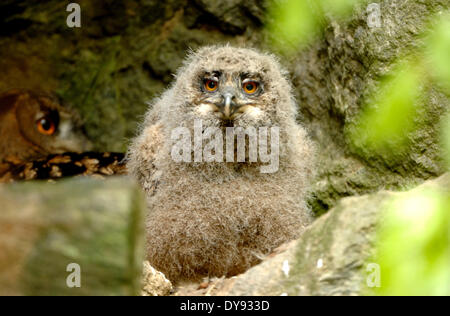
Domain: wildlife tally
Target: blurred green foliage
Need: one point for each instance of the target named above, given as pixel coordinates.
(339, 8)
(414, 248)
(388, 118)
(414, 245)
(295, 23)
(387, 121)
(438, 51)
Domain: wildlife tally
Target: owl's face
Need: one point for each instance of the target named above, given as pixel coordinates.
(229, 95)
(234, 87)
(45, 122)
(37, 125)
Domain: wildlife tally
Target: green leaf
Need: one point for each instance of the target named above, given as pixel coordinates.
(386, 122)
(294, 23)
(414, 245)
(339, 8)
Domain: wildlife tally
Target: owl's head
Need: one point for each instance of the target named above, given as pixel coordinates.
(230, 86)
(40, 122)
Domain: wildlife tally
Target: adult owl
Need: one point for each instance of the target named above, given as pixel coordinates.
(40, 139)
(34, 125)
(214, 218)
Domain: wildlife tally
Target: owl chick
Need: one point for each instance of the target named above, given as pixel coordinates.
(34, 125)
(213, 218)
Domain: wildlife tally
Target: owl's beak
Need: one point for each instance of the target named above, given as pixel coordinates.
(229, 105)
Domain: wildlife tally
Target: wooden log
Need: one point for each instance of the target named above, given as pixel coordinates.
(45, 227)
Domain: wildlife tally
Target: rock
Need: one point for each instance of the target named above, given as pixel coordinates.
(334, 78)
(331, 257)
(233, 16)
(155, 282)
(46, 227)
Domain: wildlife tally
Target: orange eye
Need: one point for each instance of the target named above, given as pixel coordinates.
(211, 85)
(46, 126)
(250, 87)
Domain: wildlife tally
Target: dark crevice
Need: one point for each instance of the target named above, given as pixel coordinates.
(151, 72)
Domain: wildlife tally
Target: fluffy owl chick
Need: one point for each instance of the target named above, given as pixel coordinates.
(34, 125)
(219, 218)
